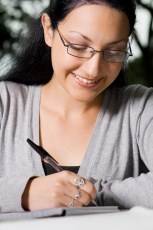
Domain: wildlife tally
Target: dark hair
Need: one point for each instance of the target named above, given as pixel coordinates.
(33, 64)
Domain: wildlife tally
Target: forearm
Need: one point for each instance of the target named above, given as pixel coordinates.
(11, 192)
(25, 196)
(130, 192)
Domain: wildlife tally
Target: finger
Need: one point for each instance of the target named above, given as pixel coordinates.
(62, 196)
(73, 203)
(90, 189)
(65, 187)
(66, 201)
(78, 194)
(84, 185)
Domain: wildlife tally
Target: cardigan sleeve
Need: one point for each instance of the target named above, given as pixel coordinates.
(11, 190)
(17, 163)
(136, 191)
(1, 107)
(128, 193)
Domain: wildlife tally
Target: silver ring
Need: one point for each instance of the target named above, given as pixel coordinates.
(71, 204)
(79, 181)
(77, 195)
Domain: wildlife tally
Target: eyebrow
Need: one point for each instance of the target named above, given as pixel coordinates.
(86, 38)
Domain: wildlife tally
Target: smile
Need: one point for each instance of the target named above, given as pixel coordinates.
(84, 82)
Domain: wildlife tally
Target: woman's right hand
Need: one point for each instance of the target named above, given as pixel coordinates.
(57, 190)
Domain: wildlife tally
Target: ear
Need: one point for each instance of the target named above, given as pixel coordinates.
(47, 27)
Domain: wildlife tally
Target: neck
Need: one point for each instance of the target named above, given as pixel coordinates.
(65, 105)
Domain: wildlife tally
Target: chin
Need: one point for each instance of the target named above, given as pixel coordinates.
(86, 97)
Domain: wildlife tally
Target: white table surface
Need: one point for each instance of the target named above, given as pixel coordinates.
(134, 219)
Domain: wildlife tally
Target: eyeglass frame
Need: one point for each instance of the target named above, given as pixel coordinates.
(127, 53)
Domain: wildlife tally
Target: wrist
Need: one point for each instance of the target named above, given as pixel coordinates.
(25, 195)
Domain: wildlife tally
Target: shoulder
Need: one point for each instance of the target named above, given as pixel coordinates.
(136, 90)
(15, 95)
(134, 99)
(135, 94)
(139, 96)
(14, 90)
(7, 87)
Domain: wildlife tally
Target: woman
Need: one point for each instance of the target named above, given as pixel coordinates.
(70, 98)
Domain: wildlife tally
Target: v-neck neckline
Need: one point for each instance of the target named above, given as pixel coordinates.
(92, 136)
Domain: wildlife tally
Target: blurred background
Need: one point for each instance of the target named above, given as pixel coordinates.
(16, 14)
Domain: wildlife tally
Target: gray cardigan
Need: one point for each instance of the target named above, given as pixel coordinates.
(119, 154)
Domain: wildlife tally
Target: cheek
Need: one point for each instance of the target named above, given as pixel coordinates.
(62, 62)
(114, 70)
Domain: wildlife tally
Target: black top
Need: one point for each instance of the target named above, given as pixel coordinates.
(50, 170)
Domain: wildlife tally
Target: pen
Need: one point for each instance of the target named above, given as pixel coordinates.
(47, 158)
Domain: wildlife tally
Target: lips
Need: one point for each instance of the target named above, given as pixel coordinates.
(85, 81)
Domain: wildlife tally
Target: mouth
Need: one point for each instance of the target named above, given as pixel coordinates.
(88, 83)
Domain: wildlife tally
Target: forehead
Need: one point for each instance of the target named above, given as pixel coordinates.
(97, 21)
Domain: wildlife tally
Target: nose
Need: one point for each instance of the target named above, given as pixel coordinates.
(92, 67)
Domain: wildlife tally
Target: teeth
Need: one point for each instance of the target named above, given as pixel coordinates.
(85, 80)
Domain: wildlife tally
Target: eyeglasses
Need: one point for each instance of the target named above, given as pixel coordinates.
(88, 52)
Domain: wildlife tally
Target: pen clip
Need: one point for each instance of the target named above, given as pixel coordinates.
(50, 161)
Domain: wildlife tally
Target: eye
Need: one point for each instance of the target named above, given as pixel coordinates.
(114, 52)
(78, 47)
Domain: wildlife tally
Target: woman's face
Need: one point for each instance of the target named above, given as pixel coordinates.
(97, 26)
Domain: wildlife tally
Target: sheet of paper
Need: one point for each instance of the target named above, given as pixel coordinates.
(58, 212)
